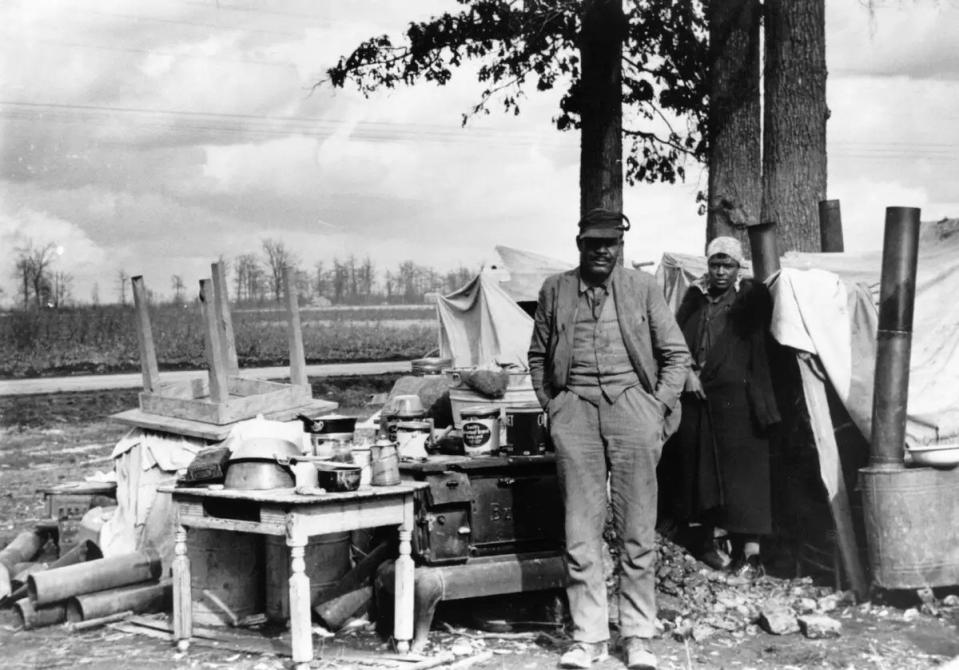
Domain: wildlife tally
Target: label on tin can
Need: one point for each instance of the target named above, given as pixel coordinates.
(476, 434)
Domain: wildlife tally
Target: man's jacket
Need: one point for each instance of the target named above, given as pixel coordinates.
(655, 344)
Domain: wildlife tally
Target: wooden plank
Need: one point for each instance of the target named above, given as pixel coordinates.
(289, 496)
(211, 338)
(140, 418)
(191, 388)
(297, 356)
(244, 386)
(237, 409)
(148, 355)
(181, 408)
(830, 469)
(231, 410)
(224, 320)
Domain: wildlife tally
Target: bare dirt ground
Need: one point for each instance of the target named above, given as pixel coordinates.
(706, 621)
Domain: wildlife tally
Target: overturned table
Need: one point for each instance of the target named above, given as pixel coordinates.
(297, 517)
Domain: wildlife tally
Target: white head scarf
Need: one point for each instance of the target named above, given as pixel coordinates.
(726, 245)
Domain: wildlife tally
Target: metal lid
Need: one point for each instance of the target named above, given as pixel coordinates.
(479, 411)
(413, 425)
(264, 448)
(528, 409)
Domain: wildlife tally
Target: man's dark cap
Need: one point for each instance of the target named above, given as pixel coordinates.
(603, 223)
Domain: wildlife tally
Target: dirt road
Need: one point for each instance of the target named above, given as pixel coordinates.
(135, 380)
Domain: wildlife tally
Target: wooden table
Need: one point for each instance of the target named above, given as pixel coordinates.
(297, 517)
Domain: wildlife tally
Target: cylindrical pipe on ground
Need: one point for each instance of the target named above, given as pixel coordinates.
(85, 551)
(139, 599)
(830, 227)
(33, 616)
(765, 251)
(105, 573)
(22, 549)
(897, 292)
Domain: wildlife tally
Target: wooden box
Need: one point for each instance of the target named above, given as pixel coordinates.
(246, 398)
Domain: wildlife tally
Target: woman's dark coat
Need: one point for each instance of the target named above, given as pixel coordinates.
(716, 467)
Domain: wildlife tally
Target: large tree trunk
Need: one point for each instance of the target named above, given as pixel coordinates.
(601, 113)
(734, 114)
(794, 137)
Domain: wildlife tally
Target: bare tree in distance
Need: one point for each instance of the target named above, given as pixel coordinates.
(122, 279)
(248, 276)
(32, 270)
(278, 258)
(22, 272)
(62, 288)
(95, 294)
(176, 281)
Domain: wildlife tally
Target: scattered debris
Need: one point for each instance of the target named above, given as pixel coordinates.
(819, 626)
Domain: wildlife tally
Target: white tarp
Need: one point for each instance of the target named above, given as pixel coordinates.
(522, 273)
(480, 325)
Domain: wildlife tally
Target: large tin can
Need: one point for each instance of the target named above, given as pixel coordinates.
(481, 426)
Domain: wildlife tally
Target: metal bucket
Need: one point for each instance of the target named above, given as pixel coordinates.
(912, 526)
(228, 566)
(327, 560)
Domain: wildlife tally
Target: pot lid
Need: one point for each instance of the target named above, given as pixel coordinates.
(413, 425)
(264, 448)
(479, 411)
(329, 423)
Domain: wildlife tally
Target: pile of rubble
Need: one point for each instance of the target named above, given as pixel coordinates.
(696, 602)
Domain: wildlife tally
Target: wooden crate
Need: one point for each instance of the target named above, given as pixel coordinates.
(246, 398)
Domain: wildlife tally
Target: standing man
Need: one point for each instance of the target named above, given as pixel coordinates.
(608, 362)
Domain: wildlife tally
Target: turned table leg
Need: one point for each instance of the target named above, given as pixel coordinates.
(301, 630)
(403, 602)
(182, 598)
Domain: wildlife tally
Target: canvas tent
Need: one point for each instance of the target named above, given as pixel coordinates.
(826, 318)
(827, 305)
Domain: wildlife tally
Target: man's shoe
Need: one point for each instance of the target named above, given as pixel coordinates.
(637, 654)
(748, 567)
(584, 654)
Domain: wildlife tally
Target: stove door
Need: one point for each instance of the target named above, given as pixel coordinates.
(516, 512)
(442, 533)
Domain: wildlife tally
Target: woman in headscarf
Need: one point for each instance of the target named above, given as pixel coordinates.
(715, 470)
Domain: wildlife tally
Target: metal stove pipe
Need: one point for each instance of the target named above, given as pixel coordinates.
(830, 227)
(765, 252)
(900, 251)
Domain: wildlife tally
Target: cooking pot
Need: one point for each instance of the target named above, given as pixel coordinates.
(327, 431)
(338, 476)
(407, 407)
(430, 365)
(328, 424)
(255, 464)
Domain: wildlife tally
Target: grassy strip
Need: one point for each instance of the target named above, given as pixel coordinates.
(103, 339)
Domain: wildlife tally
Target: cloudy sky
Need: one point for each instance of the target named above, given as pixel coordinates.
(152, 137)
